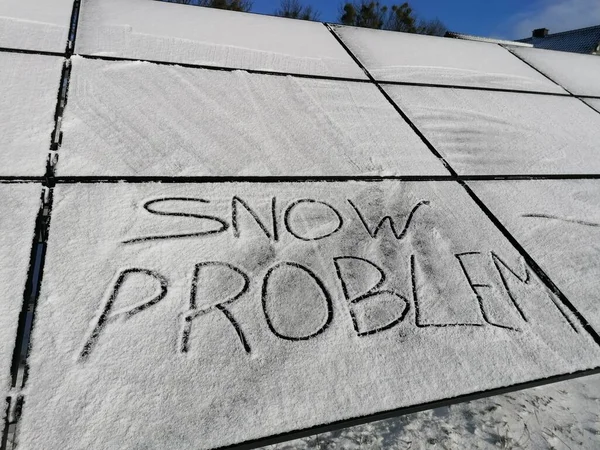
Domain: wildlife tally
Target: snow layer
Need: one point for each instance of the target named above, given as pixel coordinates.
(109, 363)
(137, 118)
(558, 223)
(181, 33)
(504, 132)
(593, 102)
(393, 56)
(35, 24)
(579, 74)
(19, 204)
(559, 416)
(28, 91)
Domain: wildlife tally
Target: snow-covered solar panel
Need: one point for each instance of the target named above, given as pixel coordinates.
(145, 29)
(41, 25)
(137, 118)
(579, 74)
(231, 255)
(393, 56)
(558, 223)
(594, 103)
(201, 315)
(28, 91)
(504, 132)
(19, 204)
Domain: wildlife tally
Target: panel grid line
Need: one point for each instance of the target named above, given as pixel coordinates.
(316, 77)
(22, 348)
(30, 52)
(547, 77)
(394, 413)
(418, 132)
(85, 179)
(514, 242)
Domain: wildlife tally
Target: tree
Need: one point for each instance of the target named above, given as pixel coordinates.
(372, 14)
(433, 27)
(364, 14)
(233, 5)
(295, 10)
(402, 18)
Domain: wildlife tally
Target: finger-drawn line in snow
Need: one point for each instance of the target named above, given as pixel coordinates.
(274, 235)
(293, 205)
(418, 322)
(322, 289)
(323, 219)
(475, 289)
(298, 306)
(379, 226)
(370, 294)
(223, 307)
(562, 219)
(107, 316)
(147, 206)
(497, 262)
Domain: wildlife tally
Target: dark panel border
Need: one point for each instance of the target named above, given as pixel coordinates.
(390, 414)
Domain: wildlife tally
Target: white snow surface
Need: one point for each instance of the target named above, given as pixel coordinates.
(394, 56)
(173, 32)
(593, 102)
(35, 24)
(579, 74)
(28, 91)
(503, 132)
(128, 385)
(138, 118)
(558, 223)
(19, 205)
(561, 416)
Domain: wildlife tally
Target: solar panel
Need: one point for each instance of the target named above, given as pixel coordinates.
(410, 58)
(19, 204)
(253, 228)
(138, 29)
(196, 324)
(504, 132)
(28, 91)
(577, 73)
(35, 25)
(140, 119)
(594, 103)
(566, 213)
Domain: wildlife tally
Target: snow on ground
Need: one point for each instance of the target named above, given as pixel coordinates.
(28, 91)
(393, 56)
(19, 204)
(580, 74)
(35, 24)
(561, 416)
(503, 132)
(138, 29)
(565, 213)
(133, 118)
(175, 315)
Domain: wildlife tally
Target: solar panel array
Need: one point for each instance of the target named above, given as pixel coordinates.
(226, 229)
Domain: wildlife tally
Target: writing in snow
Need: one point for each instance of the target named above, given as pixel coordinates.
(362, 282)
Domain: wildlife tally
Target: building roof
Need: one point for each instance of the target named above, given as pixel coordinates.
(584, 40)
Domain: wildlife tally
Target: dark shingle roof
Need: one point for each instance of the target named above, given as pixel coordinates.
(584, 40)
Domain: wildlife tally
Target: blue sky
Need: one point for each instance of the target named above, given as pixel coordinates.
(509, 19)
